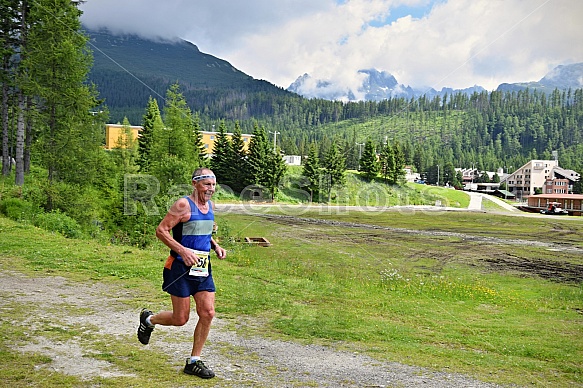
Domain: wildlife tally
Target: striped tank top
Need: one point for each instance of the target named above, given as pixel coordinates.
(197, 231)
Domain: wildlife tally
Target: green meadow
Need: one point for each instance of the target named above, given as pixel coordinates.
(467, 292)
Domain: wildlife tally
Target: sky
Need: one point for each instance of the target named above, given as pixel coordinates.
(423, 43)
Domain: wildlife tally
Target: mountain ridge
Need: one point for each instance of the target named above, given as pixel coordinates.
(379, 85)
(129, 69)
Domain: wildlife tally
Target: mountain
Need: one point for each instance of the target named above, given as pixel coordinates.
(380, 85)
(128, 70)
(561, 77)
(376, 86)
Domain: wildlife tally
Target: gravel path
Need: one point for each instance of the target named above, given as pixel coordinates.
(261, 362)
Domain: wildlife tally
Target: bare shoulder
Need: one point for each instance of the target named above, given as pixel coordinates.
(180, 208)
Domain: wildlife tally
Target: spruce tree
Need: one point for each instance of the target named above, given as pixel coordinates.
(151, 123)
(334, 166)
(222, 156)
(125, 150)
(275, 169)
(238, 164)
(178, 120)
(312, 171)
(56, 62)
(369, 164)
(259, 151)
(197, 150)
(388, 164)
(9, 41)
(397, 174)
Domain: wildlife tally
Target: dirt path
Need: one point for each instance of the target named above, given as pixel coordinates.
(273, 363)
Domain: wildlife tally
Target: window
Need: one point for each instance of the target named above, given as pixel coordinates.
(212, 137)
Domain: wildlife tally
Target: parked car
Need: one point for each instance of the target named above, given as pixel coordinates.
(555, 209)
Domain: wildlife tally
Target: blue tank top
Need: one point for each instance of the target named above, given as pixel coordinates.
(197, 231)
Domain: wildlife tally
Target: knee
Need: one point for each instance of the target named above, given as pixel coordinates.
(206, 313)
(180, 320)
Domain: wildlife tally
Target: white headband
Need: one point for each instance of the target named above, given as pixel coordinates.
(200, 177)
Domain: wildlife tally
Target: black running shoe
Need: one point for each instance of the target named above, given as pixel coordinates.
(199, 369)
(144, 331)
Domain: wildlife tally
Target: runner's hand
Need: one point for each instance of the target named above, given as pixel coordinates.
(221, 253)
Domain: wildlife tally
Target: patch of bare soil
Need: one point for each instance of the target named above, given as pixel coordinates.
(555, 271)
(262, 362)
(551, 270)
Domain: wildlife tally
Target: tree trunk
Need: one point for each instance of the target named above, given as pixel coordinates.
(28, 134)
(5, 154)
(19, 176)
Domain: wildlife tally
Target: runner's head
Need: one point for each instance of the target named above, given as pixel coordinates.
(204, 183)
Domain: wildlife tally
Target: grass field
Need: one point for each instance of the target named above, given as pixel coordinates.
(458, 291)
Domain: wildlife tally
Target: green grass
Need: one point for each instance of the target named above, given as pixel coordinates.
(446, 302)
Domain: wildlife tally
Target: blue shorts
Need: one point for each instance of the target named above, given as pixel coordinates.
(179, 283)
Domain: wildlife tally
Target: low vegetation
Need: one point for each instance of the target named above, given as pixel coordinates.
(456, 291)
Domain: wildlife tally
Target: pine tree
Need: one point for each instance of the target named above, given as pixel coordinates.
(388, 164)
(222, 156)
(197, 146)
(334, 166)
(178, 120)
(312, 171)
(259, 151)
(369, 164)
(126, 149)
(57, 62)
(8, 47)
(238, 165)
(151, 123)
(276, 167)
(398, 173)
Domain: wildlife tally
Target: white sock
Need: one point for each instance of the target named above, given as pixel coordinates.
(194, 359)
(148, 322)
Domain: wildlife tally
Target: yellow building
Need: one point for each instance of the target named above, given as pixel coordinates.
(208, 140)
(115, 132)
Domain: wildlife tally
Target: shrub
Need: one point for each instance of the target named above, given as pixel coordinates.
(58, 222)
(18, 209)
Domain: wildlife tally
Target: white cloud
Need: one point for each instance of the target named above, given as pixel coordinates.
(458, 43)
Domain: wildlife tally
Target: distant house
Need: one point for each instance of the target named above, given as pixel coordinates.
(411, 176)
(293, 160)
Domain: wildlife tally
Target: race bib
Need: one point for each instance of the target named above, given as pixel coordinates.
(202, 268)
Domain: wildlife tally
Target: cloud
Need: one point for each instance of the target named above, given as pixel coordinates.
(455, 43)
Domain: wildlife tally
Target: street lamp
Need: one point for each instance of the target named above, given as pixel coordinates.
(275, 133)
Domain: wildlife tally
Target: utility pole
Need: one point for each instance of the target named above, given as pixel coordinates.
(359, 150)
(275, 133)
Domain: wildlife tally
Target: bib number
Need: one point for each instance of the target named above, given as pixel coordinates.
(201, 269)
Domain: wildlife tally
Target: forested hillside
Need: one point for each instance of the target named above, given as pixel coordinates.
(488, 130)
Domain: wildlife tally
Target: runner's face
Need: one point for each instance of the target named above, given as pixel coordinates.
(206, 188)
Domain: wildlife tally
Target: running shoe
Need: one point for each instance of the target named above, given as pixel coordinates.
(198, 368)
(144, 330)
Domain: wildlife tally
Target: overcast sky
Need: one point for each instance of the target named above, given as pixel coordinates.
(423, 43)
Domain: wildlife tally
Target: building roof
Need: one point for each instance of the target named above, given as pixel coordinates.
(558, 196)
(506, 193)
